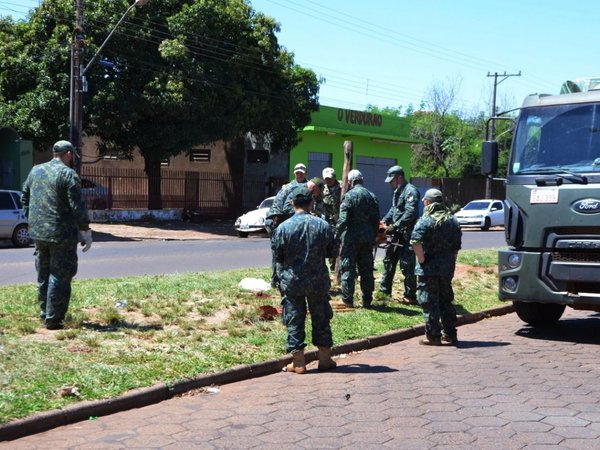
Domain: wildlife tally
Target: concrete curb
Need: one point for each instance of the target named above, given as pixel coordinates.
(138, 398)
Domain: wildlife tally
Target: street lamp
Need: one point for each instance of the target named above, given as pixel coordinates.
(78, 75)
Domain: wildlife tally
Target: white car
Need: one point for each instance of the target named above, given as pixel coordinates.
(482, 214)
(254, 220)
(13, 223)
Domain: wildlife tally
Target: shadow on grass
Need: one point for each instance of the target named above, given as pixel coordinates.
(386, 308)
(120, 326)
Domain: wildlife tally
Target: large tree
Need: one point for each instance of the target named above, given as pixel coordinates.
(181, 73)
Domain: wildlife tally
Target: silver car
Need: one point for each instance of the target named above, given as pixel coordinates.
(13, 223)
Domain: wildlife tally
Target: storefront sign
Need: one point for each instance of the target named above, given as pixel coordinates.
(360, 117)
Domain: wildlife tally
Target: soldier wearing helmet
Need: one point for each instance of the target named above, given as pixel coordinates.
(400, 220)
(356, 230)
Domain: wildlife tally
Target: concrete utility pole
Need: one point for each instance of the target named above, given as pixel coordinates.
(78, 83)
(492, 136)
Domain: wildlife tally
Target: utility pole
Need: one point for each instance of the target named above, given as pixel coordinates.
(78, 83)
(75, 98)
(492, 136)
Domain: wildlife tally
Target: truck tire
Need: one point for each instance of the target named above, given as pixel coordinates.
(541, 315)
(486, 224)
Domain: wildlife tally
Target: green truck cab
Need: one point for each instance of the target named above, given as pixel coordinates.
(552, 219)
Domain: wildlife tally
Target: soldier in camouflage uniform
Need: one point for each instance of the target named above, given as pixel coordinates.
(400, 221)
(316, 186)
(332, 195)
(436, 240)
(356, 230)
(58, 219)
(300, 246)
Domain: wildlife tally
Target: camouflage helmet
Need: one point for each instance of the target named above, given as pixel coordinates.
(393, 171)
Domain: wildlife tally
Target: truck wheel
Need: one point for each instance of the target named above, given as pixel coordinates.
(486, 224)
(540, 315)
(20, 237)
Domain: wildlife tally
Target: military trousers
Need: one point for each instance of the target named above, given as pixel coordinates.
(435, 296)
(293, 316)
(357, 255)
(406, 256)
(56, 265)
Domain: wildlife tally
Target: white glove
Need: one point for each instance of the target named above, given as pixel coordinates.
(85, 237)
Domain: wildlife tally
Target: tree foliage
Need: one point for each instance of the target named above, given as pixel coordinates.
(182, 73)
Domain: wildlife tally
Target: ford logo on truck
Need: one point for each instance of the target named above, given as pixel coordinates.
(586, 206)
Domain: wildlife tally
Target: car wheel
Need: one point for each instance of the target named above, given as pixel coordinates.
(540, 315)
(242, 234)
(486, 224)
(20, 237)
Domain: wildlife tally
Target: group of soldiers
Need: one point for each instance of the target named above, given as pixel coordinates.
(310, 224)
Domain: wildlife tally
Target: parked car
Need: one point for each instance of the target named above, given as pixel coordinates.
(253, 221)
(482, 214)
(13, 223)
(94, 194)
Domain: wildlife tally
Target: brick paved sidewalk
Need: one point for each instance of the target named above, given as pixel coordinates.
(505, 386)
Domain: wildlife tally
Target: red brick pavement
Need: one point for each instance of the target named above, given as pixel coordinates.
(504, 386)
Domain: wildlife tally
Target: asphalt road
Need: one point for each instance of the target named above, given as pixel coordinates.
(153, 257)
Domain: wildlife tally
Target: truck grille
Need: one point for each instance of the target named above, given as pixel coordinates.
(582, 257)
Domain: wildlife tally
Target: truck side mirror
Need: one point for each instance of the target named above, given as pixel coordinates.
(489, 158)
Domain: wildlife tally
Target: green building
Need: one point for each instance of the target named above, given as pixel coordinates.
(16, 159)
(379, 142)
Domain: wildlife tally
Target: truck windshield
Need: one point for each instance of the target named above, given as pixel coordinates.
(555, 139)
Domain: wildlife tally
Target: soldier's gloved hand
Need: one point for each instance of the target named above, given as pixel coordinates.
(85, 237)
(390, 229)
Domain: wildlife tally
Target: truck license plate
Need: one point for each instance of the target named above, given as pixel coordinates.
(544, 196)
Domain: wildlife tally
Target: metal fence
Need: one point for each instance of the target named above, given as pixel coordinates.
(210, 193)
(462, 190)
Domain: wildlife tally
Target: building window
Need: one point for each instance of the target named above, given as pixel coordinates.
(165, 162)
(200, 155)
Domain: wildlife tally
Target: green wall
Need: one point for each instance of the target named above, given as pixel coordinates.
(373, 135)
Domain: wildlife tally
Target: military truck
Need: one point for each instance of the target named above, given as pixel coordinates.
(552, 219)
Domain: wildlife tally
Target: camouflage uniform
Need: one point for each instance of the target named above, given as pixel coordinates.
(402, 215)
(356, 230)
(439, 233)
(300, 246)
(280, 211)
(56, 212)
(331, 199)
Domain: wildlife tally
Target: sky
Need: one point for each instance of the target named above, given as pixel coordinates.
(391, 53)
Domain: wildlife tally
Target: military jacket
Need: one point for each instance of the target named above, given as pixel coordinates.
(300, 246)
(53, 203)
(404, 211)
(282, 208)
(331, 199)
(359, 216)
(440, 236)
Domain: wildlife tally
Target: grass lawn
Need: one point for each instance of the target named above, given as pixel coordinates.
(126, 333)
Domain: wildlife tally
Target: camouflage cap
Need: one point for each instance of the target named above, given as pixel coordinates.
(318, 182)
(434, 196)
(63, 147)
(302, 196)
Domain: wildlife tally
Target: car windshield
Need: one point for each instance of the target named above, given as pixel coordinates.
(266, 203)
(476, 206)
(557, 139)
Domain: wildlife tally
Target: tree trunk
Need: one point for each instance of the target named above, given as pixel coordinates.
(152, 169)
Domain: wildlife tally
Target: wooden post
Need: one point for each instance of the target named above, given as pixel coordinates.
(348, 148)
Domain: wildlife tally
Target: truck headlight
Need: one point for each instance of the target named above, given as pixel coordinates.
(514, 260)
(510, 284)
